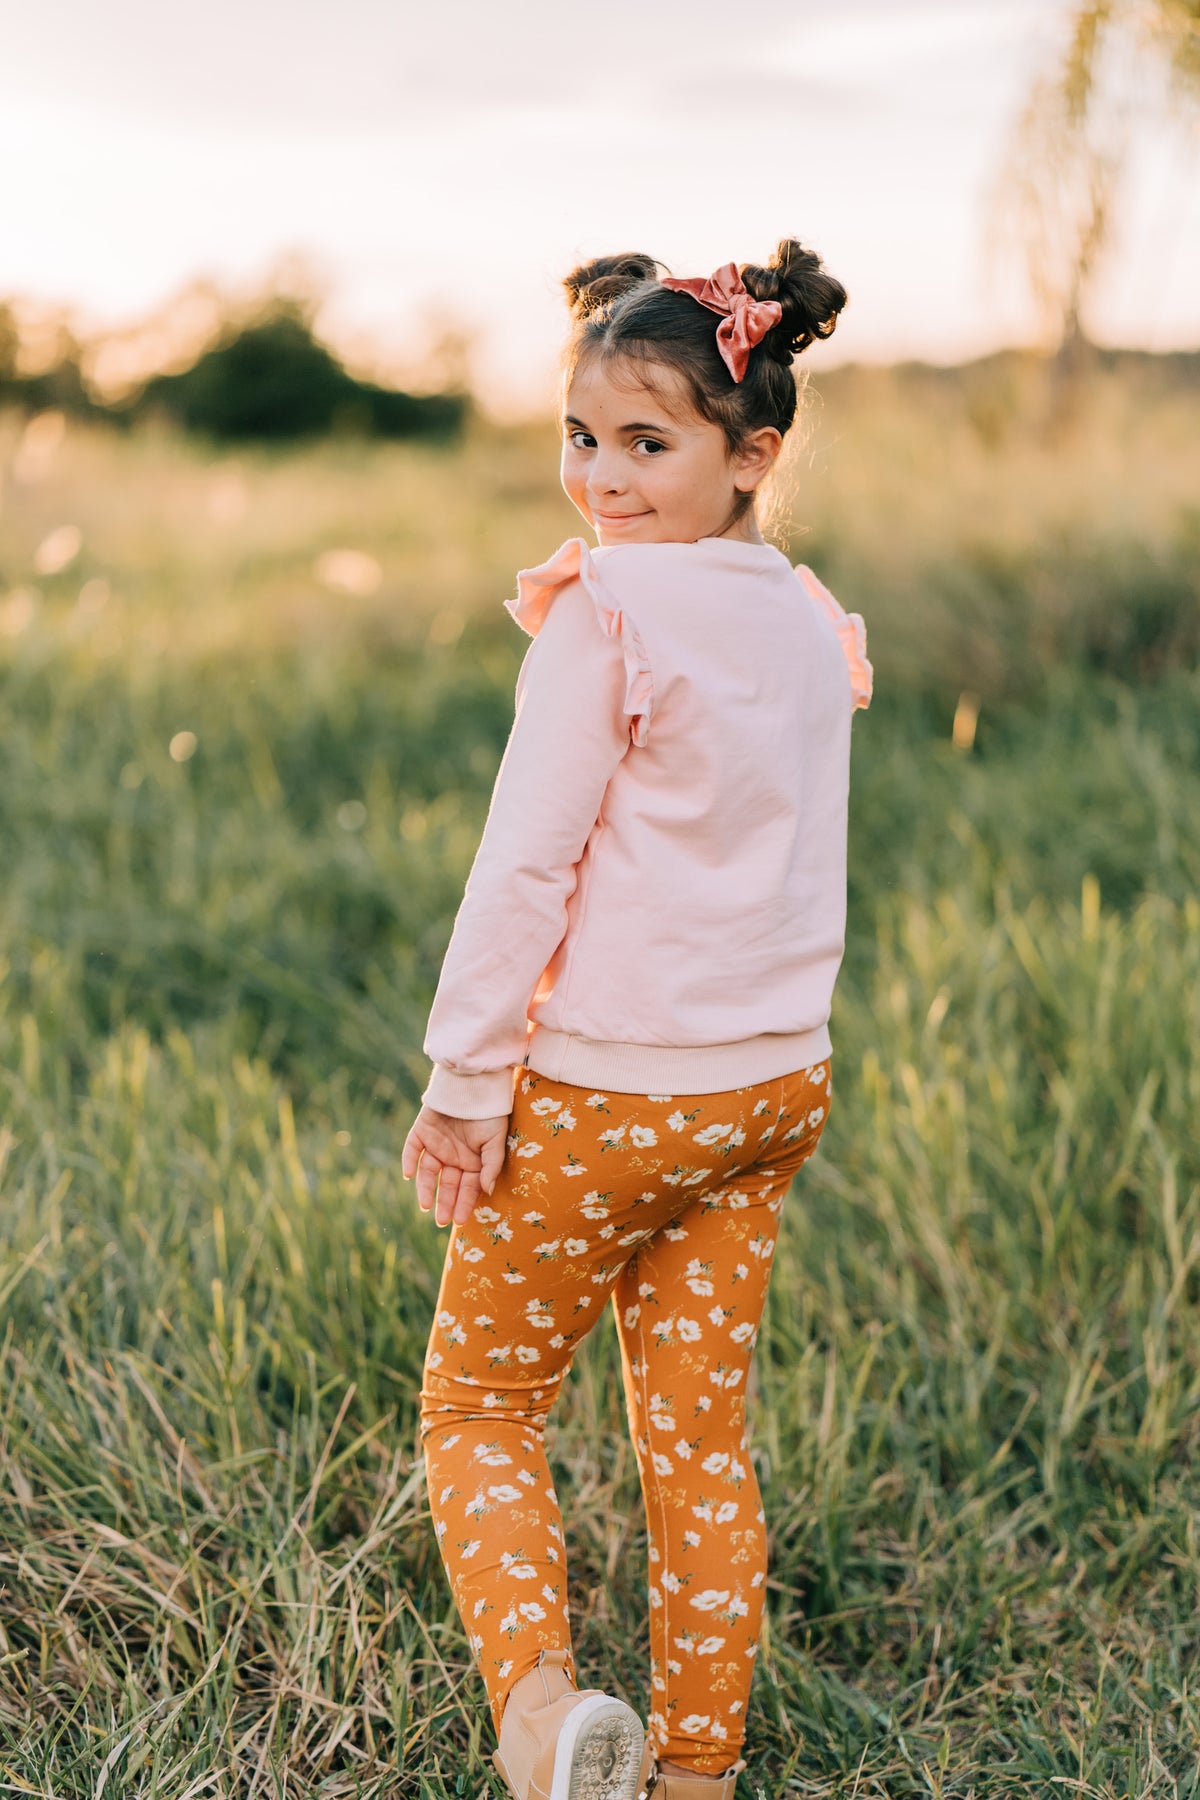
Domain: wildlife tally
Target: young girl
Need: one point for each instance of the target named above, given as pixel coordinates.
(630, 1042)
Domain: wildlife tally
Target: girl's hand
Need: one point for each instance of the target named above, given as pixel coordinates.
(467, 1154)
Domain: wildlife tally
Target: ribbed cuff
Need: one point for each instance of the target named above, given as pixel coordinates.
(487, 1095)
(667, 1069)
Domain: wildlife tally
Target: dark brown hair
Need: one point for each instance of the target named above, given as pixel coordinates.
(621, 310)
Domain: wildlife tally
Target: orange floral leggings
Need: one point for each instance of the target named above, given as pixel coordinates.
(671, 1204)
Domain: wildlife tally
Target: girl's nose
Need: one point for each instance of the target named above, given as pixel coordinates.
(605, 480)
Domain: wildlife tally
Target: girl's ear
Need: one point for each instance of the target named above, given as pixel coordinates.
(756, 457)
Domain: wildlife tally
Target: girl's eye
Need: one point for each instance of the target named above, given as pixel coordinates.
(653, 445)
(574, 436)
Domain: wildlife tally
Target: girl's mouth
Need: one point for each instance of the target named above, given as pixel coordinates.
(618, 518)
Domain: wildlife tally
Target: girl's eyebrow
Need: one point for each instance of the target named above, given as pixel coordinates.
(659, 430)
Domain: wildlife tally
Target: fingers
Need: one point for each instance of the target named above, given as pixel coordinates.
(492, 1160)
(468, 1196)
(448, 1194)
(428, 1170)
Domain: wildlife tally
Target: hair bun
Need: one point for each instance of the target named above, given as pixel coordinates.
(593, 284)
(811, 298)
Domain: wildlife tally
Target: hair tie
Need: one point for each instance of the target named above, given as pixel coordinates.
(748, 320)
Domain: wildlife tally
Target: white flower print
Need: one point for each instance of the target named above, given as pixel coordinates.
(740, 1272)
(506, 1668)
(703, 1511)
(688, 1330)
(530, 1609)
(538, 1314)
(726, 1511)
(694, 1177)
(703, 1404)
(505, 1492)
(683, 1449)
(815, 1117)
(517, 1567)
(530, 1150)
(532, 1218)
(717, 1315)
(677, 1121)
(435, 1359)
(741, 1332)
(670, 1582)
(691, 1539)
(527, 1353)
(696, 1276)
(728, 1379)
(482, 1319)
(596, 1100)
(716, 1462)
(490, 1456)
(662, 1464)
(487, 1215)
(664, 1099)
(737, 1608)
(557, 1341)
(547, 1104)
(661, 1416)
(456, 1335)
(709, 1646)
(512, 1277)
(574, 1168)
(445, 1319)
(711, 1134)
(473, 1548)
(607, 1231)
(631, 1316)
(676, 1233)
(613, 1135)
(474, 1254)
(645, 1289)
(575, 1246)
(695, 1722)
(594, 1212)
(642, 1135)
(566, 1122)
(709, 1600)
(760, 1108)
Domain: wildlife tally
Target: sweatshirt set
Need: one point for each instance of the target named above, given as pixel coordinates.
(640, 978)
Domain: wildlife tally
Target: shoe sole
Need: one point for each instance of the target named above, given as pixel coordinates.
(598, 1755)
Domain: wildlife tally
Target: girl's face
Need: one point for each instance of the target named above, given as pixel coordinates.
(645, 470)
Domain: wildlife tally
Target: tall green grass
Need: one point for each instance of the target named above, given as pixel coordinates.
(975, 1406)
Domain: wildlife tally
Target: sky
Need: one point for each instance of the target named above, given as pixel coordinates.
(441, 166)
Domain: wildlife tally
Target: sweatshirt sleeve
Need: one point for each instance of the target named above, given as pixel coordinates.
(571, 728)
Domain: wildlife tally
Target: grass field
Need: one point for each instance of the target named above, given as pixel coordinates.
(241, 782)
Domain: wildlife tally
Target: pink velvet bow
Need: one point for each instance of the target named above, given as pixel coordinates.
(748, 319)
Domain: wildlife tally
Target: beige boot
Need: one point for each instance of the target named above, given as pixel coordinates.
(670, 1786)
(584, 1745)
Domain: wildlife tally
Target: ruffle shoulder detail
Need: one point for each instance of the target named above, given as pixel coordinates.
(536, 589)
(851, 629)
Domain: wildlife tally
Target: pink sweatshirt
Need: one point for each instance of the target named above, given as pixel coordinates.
(658, 900)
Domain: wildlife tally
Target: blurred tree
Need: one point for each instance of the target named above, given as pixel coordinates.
(272, 378)
(1058, 182)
